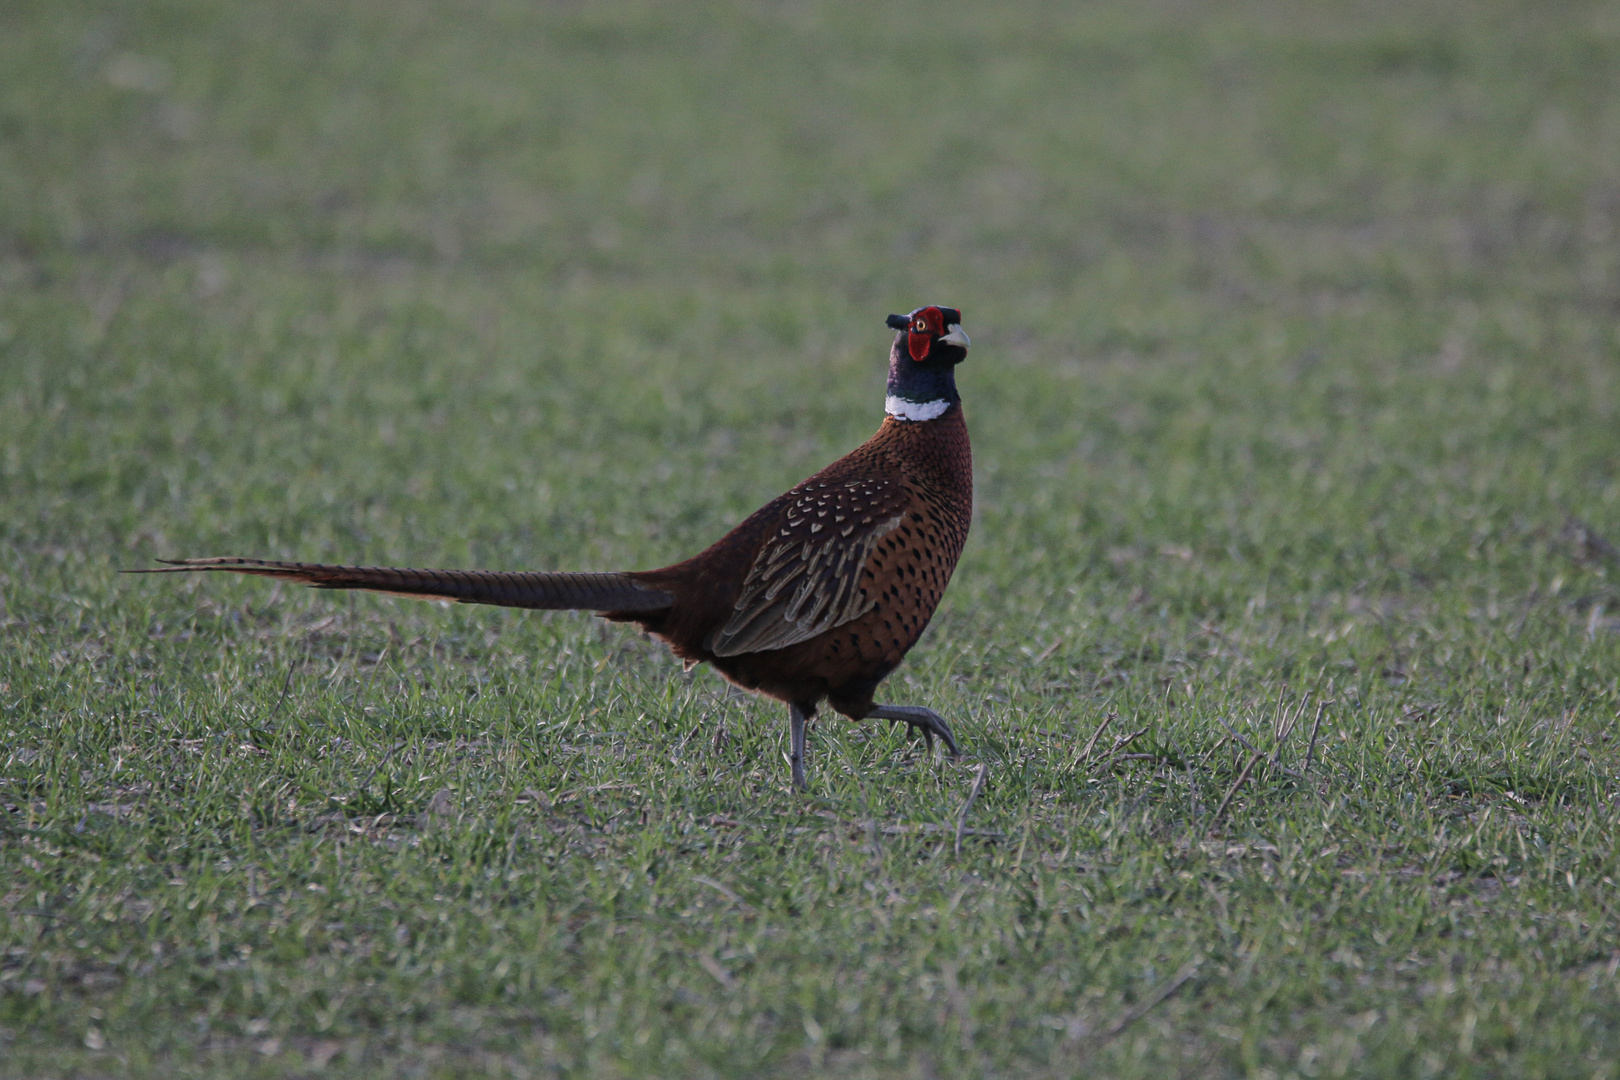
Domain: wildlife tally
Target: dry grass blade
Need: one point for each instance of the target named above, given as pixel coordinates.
(723, 890)
(1287, 721)
(1249, 746)
(1125, 740)
(1233, 790)
(721, 735)
(714, 967)
(1091, 743)
(372, 775)
(961, 818)
(281, 699)
(1181, 978)
(1316, 725)
(594, 789)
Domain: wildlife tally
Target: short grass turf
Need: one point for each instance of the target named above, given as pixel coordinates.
(1286, 638)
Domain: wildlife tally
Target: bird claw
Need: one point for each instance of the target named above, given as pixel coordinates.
(927, 721)
(927, 732)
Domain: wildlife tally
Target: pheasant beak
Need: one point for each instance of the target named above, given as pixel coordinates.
(955, 336)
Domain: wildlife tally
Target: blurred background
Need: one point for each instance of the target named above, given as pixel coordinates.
(1323, 294)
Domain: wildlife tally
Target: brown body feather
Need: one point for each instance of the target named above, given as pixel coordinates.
(776, 606)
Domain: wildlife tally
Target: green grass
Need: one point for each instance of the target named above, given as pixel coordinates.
(1296, 380)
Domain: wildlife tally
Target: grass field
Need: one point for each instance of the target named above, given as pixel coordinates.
(1295, 394)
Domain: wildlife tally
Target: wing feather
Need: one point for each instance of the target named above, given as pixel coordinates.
(809, 579)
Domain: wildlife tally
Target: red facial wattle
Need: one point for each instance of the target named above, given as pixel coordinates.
(926, 325)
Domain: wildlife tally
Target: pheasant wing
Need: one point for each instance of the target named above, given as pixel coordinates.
(807, 579)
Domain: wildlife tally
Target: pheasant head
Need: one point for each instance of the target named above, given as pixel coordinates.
(928, 344)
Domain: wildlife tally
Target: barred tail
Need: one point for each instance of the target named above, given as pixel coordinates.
(551, 592)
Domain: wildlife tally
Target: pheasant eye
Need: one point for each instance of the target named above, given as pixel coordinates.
(921, 327)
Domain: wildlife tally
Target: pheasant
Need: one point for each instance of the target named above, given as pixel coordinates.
(815, 597)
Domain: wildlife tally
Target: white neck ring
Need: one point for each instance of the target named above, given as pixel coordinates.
(901, 409)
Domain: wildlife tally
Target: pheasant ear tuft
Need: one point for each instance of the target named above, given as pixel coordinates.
(898, 322)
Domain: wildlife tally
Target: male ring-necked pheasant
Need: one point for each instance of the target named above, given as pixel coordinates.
(816, 596)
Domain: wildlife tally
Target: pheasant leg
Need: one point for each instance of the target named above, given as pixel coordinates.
(798, 716)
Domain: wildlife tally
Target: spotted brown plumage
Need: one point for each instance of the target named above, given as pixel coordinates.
(816, 596)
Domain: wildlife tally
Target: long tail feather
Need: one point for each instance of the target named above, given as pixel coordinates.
(551, 592)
